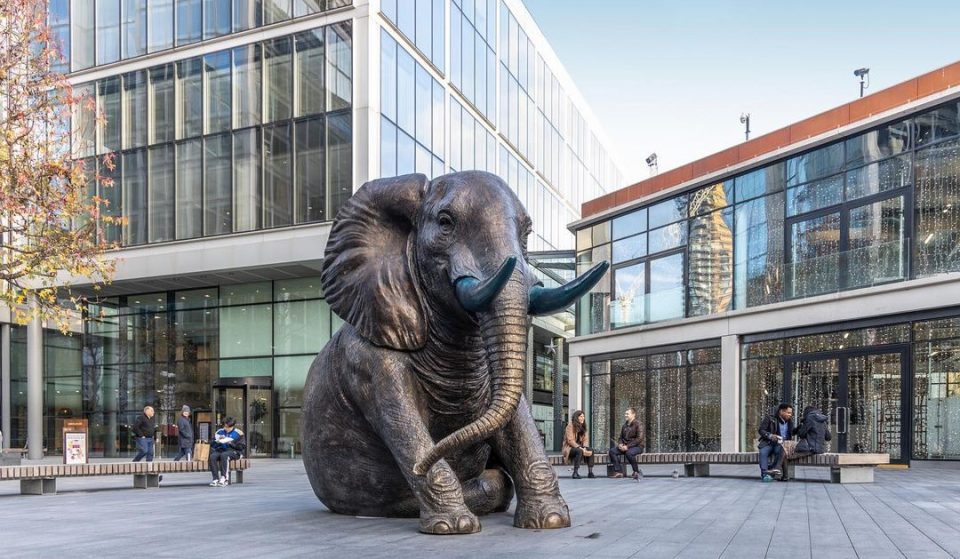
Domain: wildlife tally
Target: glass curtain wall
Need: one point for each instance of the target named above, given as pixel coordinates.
(878, 207)
(92, 33)
(676, 394)
(167, 349)
(195, 156)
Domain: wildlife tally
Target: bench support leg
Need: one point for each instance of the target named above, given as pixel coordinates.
(239, 476)
(696, 470)
(146, 481)
(852, 474)
(43, 486)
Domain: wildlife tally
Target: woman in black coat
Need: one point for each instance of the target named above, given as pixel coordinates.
(813, 433)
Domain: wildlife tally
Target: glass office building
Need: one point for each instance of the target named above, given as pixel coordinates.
(826, 273)
(235, 130)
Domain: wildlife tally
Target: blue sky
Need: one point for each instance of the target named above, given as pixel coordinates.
(672, 77)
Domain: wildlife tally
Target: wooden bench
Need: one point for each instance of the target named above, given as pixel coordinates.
(844, 468)
(42, 479)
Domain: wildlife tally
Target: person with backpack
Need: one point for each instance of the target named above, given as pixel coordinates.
(813, 432)
(228, 444)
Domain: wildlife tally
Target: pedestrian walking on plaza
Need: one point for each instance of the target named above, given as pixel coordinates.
(813, 432)
(774, 430)
(185, 434)
(576, 445)
(144, 430)
(228, 444)
(629, 445)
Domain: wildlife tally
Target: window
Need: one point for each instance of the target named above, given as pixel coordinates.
(189, 21)
(161, 104)
(815, 164)
(108, 103)
(278, 76)
(305, 7)
(388, 76)
(134, 109)
(247, 197)
(278, 186)
(217, 185)
(216, 18)
(246, 14)
(276, 10)
(190, 95)
(339, 66)
(133, 16)
(108, 31)
(189, 211)
(60, 29)
(310, 157)
(161, 186)
(339, 162)
(135, 197)
(309, 65)
(82, 22)
(937, 209)
(246, 86)
(758, 249)
(217, 92)
(161, 25)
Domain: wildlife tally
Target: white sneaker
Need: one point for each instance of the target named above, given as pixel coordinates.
(224, 482)
(215, 483)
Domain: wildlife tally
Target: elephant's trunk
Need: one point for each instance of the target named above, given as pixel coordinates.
(504, 330)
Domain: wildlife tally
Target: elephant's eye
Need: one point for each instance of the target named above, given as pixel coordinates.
(445, 221)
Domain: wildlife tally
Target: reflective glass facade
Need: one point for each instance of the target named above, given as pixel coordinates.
(877, 207)
(254, 137)
(96, 32)
(171, 348)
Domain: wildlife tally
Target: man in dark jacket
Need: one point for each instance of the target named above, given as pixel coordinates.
(144, 429)
(185, 434)
(813, 433)
(630, 444)
(228, 444)
(774, 429)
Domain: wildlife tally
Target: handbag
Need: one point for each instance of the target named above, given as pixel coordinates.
(201, 451)
(789, 449)
(587, 451)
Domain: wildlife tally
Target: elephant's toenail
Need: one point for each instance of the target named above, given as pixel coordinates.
(465, 524)
(553, 520)
(441, 528)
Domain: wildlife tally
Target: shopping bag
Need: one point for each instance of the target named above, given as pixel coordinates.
(201, 451)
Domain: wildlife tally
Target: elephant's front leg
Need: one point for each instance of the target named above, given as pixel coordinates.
(397, 417)
(539, 504)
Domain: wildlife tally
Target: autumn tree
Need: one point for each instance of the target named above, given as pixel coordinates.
(51, 221)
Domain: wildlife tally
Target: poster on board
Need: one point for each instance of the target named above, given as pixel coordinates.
(75, 447)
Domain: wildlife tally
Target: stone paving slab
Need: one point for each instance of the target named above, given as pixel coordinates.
(906, 513)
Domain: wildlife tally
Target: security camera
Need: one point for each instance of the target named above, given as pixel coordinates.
(860, 72)
(744, 117)
(651, 159)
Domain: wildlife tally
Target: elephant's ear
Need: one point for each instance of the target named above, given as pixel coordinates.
(366, 271)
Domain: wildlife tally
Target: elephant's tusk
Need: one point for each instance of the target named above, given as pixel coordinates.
(549, 300)
(475, 295)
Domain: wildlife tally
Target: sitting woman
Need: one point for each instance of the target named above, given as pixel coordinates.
(576, 445)
(813, 433)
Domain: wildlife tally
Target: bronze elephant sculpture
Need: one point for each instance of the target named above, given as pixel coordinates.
(415, 407)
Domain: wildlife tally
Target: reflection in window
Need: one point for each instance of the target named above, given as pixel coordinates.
(339, 66)
(246, 14)
(246, 86)
(108, 104)
(161, 104)
(876, 243)
(278, 77)
(108, 31)
(339, 164)
(189, 189)
(161, 193)
(668, 211)
(938, 124)
(160, 35)
(217, 92)
(629, 248)
(878, 177)
(310, 157)
(710, 253)
(189, 21)
(309, 66)
(630, 224)
(878, 144)
(630, 288)
(758, 270)
(82, 21)
(815, 256)
(133, 15)
(247, 200)
(937, 209)
(815, 195)
(666, 288)
(216, 18)
(134, 109)
(278, 179)
(815, 164)
(766, 180)
(135, 197)
(217, 185)
(60, 31)
(190, 96)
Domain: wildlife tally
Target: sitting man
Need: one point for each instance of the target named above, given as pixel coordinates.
(228, 444)
(774, 429)
(630, 444)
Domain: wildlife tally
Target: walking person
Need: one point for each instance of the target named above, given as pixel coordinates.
(185, 434)
(144, 430)
(576, 445)
(228, 444)
(629, 445)
(774, 430)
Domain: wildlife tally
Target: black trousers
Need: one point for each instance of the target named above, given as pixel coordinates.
(577, 457)
(220, 462)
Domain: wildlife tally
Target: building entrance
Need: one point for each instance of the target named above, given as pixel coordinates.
(250, 402)
(863, 392)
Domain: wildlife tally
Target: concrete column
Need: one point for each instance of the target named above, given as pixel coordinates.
(34, 388)
(558, 423)
(575, 397)
(5, 384)
(729, 394)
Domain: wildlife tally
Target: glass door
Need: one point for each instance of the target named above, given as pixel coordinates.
(252, 408)
(862, 392)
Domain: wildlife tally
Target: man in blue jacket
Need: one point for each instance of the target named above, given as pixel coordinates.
(228, 444)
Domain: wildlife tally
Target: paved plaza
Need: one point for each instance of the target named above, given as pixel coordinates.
(906, 513)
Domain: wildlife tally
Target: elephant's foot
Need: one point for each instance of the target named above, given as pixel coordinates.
(489, 492)
(542, 512)
(457, 521)
(540, 505)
